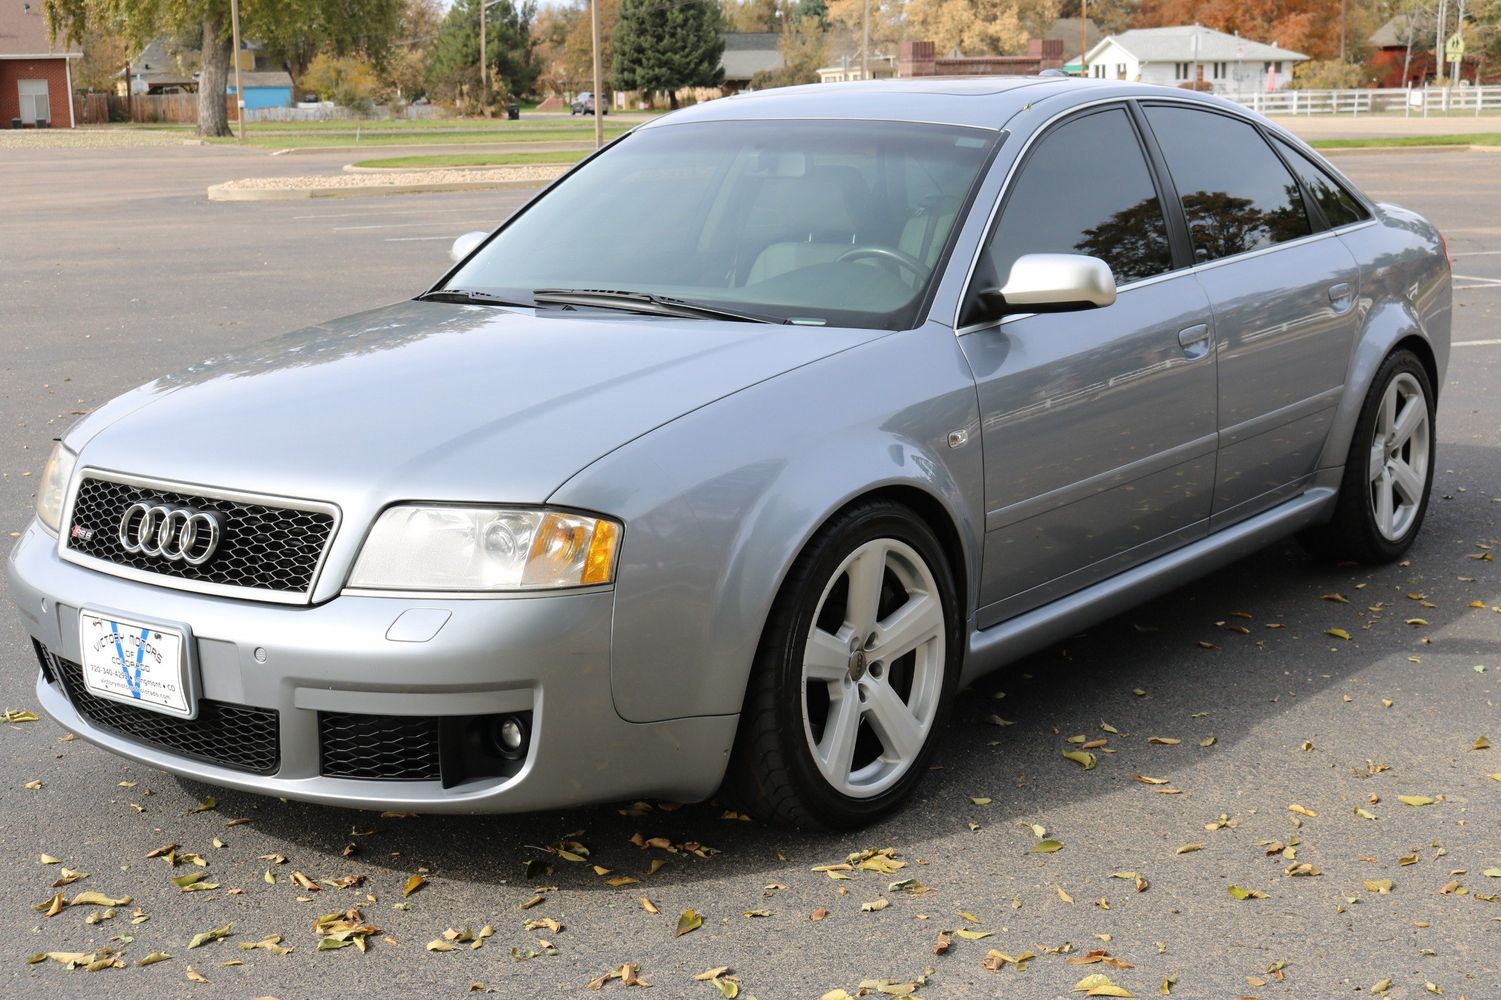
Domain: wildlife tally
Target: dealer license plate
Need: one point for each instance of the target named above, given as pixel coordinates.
(139, 663)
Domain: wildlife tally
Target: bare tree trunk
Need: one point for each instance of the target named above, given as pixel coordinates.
(213, 120)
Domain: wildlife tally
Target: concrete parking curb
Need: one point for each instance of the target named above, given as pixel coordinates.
(225, 192)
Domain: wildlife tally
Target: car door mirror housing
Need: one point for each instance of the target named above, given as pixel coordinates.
(466, 245)
(1050, 282)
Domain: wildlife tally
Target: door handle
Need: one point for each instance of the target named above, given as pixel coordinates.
(1340, 295)
(1195, 340)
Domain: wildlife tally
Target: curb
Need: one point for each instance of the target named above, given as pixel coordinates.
(351, 168)
(223, 192)
(1380, 150)
(377, 149)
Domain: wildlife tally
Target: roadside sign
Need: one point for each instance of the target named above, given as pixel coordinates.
(1454, 48)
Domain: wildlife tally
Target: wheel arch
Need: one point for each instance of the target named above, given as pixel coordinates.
(1390, 326)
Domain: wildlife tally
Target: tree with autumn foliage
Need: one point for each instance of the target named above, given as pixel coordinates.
(1308, 26)
(980, 27)
(566, 47)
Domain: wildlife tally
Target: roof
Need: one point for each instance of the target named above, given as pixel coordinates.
(23, 32)
(747, 53)
(158, 63)
(261, 78)
(1175, 44)
(1394, 34)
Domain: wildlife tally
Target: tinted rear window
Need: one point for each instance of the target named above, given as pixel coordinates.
(1236, 193)
(1338, 205)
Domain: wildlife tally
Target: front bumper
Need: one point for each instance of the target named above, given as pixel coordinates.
(546, 655)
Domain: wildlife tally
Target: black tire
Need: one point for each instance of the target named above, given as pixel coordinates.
(1352, 533)
(772, 771)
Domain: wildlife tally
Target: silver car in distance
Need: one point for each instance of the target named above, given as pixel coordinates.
(739, 449)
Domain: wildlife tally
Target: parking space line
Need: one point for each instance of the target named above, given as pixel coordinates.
(1476, 343)
(1477, 253)
(412, 239)
(387, 225)
(393, 211)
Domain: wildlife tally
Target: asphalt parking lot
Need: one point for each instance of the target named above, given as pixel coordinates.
(114, 268)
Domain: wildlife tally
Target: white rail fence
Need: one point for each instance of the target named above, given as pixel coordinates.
(329, 112)
(1413, 102)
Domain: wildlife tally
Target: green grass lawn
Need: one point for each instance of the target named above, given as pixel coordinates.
(1471, 139)
(472, 160)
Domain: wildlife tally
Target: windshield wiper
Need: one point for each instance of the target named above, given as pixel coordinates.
(468, 296)
(645, 303)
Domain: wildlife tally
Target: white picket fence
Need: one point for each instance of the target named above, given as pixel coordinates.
(1413, 102)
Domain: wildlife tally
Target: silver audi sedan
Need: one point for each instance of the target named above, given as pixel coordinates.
(739, 449)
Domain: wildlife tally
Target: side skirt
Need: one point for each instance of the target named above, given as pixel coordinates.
(1000, 644)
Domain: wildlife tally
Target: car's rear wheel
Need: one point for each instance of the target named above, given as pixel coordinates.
(855, 671)
(1389, 471)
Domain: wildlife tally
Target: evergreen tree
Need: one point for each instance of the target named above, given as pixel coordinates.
(663, 46)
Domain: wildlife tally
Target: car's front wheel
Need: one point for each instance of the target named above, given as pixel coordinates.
(854, 673)
(1389, 471)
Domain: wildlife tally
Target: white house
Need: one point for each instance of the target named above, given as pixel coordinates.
(1177, 56)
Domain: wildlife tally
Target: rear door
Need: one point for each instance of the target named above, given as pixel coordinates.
(1098, 426)
(1283, 295)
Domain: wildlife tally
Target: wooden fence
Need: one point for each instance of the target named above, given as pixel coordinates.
(101, 109)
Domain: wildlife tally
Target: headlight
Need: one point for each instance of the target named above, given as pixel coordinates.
(54, 486)
(485, 549)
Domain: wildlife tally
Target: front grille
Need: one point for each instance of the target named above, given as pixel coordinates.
(388, 747)
(263, 547)
(240, 737)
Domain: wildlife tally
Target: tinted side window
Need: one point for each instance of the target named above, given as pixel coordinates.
(1338, 205)
(1085, 189)
(1236, 194)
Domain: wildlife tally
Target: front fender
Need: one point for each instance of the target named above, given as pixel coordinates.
(1406, 292)
(718, 504)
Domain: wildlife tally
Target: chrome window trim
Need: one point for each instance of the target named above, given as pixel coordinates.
(212, 493)
(960, 331)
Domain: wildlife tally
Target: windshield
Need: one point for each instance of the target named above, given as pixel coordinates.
(823, 222)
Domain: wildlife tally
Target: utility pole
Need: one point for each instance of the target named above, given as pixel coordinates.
(484, 63)
(599, 123)
(1083, 35)
(234, 23)
(1344, 26)
(865, 44)
(1438, 42)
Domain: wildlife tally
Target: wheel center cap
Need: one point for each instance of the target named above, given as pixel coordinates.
(857, 664)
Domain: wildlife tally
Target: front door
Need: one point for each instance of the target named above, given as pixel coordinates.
(34, 101)
(1098, 426)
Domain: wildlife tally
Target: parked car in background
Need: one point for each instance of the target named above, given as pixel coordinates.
(583, 104)
(737, 451)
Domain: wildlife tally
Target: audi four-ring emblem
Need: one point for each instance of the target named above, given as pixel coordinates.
(177, 534)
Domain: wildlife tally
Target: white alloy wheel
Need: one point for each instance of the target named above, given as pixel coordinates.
(873, 668)
(1398, 466)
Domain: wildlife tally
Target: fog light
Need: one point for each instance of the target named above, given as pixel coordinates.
(511, 736)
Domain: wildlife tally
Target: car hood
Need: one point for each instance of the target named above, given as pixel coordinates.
(436, 401)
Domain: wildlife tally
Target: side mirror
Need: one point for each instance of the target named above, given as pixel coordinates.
(1051, 282)
(466, 244)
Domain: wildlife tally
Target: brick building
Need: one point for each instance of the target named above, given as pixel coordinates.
(921, 59)
(36, 78)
